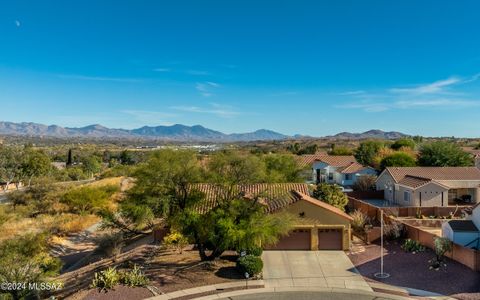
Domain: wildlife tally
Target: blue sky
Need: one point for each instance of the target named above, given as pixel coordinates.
(309, 67)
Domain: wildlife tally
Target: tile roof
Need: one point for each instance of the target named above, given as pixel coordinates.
(333, 209)
(354, 167)
(414, 182)
(435, 173)
(332, 160)
(274, 195)
(463, 226)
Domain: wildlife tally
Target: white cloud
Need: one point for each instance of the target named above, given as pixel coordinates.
(351, 93)
(162, 70)
(17, 23)
(430, 88)
(438, 94)
(149, 117)
(206, 88)
(214, 109)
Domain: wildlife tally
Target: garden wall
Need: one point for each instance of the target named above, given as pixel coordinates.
(466, 256)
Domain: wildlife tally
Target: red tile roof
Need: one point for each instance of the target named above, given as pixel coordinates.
(274, 195)
(435, 173)
(354, 167)
(332, 160)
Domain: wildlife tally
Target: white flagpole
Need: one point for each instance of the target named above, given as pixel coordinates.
(382, 274)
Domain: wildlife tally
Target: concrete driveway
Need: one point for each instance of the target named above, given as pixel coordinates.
(325, 269)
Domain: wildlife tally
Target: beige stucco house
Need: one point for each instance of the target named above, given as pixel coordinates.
(319, 226)
(430, 186)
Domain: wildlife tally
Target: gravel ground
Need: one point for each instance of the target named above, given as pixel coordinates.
(412, 270)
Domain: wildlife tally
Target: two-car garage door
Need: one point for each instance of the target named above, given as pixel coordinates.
(330, 239)
(300, 239)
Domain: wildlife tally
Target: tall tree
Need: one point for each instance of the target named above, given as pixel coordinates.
(366, 152)
(398, 159)
(444, 154)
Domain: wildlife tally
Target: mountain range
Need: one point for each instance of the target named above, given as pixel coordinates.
(175, 132)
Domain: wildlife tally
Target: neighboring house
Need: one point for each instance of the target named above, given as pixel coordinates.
(462, 232)
(430, 186)
(343, 170)
(11, 186)
(320, 226)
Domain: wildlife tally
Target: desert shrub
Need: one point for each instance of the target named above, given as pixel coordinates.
(26, 259)
(250, 264)
(394, 230)
(88, 199)
(175, 240)
(410, 245)
(134, 277)
(106, 279)
(359, 221)
(365, 183)
(110, 244)
(442, 245)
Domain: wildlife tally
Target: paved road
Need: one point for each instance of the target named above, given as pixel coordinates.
(305, 295)
(323, 269)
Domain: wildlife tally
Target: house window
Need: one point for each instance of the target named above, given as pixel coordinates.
(348, 176)
(330, 176)
(406, 196)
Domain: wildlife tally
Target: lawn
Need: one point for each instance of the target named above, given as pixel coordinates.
(412, 270)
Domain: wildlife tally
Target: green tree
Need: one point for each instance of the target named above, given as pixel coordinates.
(403, 143)
(10, 164)
(91, 165)
(367, 151)
(399, 159)
(233, 224)
(231, 168)
(26, 259)
(35, 164)
(331, 194)
(161, 190)
(282, 168)
(444, 154)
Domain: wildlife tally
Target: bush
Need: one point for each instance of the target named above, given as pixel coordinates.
(412, 246)
(110, 244)
(394, 230)
(88, 199)
(359, 221)
(365, 183)
(134, 277)
(106, 279)
(255, 251)
(331, 194)
(175, 240)
(250, 264)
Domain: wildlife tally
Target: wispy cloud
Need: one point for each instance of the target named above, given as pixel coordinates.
(351, 93)
(162, 69)
(206, 88)
(219, 110)
(430, 88)
(150, 117)
(99, 78)
(439, 94)
(17, 23)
